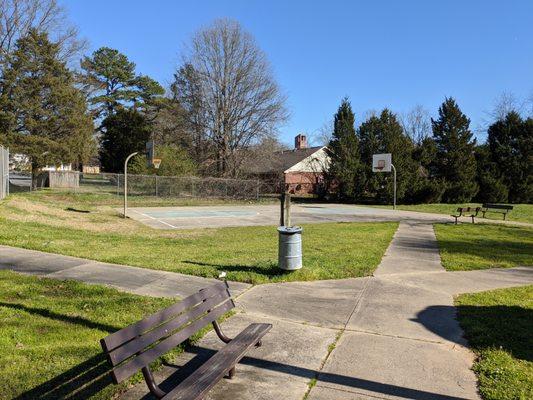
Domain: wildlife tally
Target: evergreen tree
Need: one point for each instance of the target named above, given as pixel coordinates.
(110, 80)
(125, 132)
(384, 134)
(510, 142)
(343, 149)
(455, 162)
(42, 113)
(492, 188)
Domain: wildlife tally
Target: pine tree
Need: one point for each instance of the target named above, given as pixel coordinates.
(125, 132)
(343, 149)
(510, 142)
(41, 111)
(109, 78)
(455, 162)
(492, 187)
(384, 134)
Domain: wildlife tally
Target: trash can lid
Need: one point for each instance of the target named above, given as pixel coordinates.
(289, 230)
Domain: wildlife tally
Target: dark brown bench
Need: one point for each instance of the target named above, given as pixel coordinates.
(497, 208)
(471, 212)
(133, 348)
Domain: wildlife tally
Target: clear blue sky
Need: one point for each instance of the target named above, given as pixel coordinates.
(380, 54)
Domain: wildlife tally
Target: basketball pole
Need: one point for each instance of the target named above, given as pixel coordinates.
(394, 197)
(126, 183)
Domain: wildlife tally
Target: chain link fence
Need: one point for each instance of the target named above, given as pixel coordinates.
(4, 172)
(173, 186)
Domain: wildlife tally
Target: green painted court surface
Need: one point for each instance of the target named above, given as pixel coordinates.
(197, 214)
(255, 215)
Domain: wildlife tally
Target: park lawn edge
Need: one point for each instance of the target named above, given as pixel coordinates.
(496, 324)
(210, 251)
(467, 247)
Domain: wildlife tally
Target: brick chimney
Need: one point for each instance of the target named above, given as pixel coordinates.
(300, 142)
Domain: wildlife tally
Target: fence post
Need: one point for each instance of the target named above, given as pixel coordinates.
(156, 188)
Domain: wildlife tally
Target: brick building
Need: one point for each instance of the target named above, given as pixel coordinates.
(300, 169)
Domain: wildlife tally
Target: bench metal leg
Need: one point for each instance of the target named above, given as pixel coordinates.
(473, 219)
(150, 382)
(231, 373)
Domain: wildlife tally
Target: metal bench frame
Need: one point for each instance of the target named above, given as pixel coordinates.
(463, 210)
(497, 208)
(134, 347)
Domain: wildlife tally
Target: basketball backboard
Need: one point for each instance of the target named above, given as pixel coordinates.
(381, 162)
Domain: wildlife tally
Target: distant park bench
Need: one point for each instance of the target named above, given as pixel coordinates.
(497, 208)
(471, 212)
(133, 348)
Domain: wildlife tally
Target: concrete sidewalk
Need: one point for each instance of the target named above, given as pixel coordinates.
(390, 336)
(136, 280)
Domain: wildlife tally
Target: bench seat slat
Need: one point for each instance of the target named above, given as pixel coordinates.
(196, 385)
(128, 368)
(136, 345)
(130, 332)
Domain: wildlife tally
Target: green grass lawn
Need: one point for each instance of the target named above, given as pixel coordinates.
(466, 246)
(498, 327)
(50, 332)
(520, 212)
(247, 254)
(91, 199)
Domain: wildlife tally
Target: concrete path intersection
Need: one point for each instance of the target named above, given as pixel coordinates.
(390, 336)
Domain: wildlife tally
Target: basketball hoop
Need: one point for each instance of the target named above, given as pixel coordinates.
(156, 162)
(381, 162)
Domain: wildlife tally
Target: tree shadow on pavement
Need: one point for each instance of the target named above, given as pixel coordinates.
(505, 327)
(202, 354)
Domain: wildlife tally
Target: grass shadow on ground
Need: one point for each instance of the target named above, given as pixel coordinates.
(504, 327)
(60, 317)
(498, 325)
(270, 270)
(81, 382)
(50, 334)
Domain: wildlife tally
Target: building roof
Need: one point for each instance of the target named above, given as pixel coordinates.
(280, 161)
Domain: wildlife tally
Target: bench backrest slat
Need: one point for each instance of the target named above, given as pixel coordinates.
(137, 345)
(129, 367)
(497, 206)
(135, 330)
(134, 346)
(468, 209)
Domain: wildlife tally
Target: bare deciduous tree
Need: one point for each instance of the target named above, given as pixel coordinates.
(227, 87)
(417, 124)
(17, 17)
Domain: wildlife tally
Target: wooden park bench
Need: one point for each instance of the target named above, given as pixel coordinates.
(133, 348)
(497, 208)
(471, 212)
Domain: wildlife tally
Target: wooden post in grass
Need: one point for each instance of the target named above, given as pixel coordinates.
(287, 209)
(282, 209)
